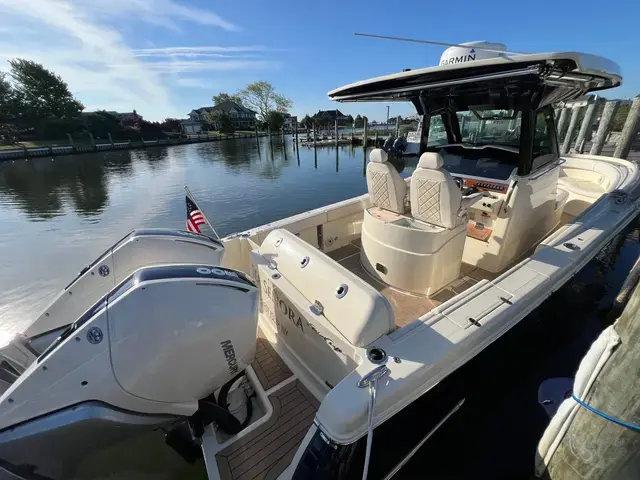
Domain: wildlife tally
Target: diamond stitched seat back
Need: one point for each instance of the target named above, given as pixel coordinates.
(429, 200)
(435, 197)
(387, 188)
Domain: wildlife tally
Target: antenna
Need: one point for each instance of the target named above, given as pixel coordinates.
(431, 42)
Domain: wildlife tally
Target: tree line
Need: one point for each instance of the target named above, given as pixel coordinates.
(36, 104)
(349, 121)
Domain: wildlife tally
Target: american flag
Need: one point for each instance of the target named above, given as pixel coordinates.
(194, 216)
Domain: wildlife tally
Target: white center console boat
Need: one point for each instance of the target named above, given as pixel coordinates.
(307, 347)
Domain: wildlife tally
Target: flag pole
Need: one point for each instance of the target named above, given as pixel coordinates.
(201, 211)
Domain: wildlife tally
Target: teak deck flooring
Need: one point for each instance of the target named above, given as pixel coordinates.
(268, 450)
(407, 307)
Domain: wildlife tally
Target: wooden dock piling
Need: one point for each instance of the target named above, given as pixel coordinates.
(398, 126)
(336, 131)
(296, 127)
(587, 125)
(365, 137)
(562, 123)
(572, 126)
(629, 130)
(594, 447)
(606, 119)
(315, 134)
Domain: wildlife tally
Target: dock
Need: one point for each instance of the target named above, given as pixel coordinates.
(597, 430)
(52, 151)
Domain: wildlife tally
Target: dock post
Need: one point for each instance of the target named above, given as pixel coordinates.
(606, 119)
(336, 131)
(587, 125)
(296, 127)
(572, 126)
(398, 126)
(562, 123)
(110, 139)
(71, 141)
(365, 137)
(93, 141)
(628, 131)
(315, 134)
(592, 446)
(353, 130)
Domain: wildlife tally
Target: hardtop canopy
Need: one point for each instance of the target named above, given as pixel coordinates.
(531, 80)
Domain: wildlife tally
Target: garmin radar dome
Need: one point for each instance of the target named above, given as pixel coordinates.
(472, 51)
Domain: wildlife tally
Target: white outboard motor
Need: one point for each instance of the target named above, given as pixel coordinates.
(138, 249)
(150, 352)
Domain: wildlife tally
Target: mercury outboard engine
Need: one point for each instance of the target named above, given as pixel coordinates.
(395, 146)
(387, 146)
(137, 249)
(149, 353)
(400, 145)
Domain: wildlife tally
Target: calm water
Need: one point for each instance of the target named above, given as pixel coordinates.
(58, 214)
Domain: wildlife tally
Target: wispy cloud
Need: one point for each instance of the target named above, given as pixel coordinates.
(195, 83)
(78, 40)
(209, 50)
(176, 67)
(165, 13)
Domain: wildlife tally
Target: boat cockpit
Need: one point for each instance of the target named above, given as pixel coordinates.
(488, 129)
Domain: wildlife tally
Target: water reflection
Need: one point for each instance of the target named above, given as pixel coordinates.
(43, 188)
(58, 214)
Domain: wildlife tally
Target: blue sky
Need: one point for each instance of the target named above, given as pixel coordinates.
(165, 57)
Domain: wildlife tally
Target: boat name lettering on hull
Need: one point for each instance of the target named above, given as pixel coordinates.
(290, 313)
(287, 310)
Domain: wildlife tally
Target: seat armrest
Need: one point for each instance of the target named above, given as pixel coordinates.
(468, 201)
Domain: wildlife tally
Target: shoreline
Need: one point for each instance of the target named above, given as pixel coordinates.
(35, 152)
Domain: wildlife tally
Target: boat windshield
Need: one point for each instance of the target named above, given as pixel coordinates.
(490, 127)
(489, 143)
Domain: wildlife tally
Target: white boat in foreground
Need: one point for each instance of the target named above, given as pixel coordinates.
(261, 350)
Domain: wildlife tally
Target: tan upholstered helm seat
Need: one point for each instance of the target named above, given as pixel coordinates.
(387, 189)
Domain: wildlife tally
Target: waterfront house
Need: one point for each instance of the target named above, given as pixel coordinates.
(191, 126)
(324, 117)
(242, 118)
(126, 116)
(289, 121)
